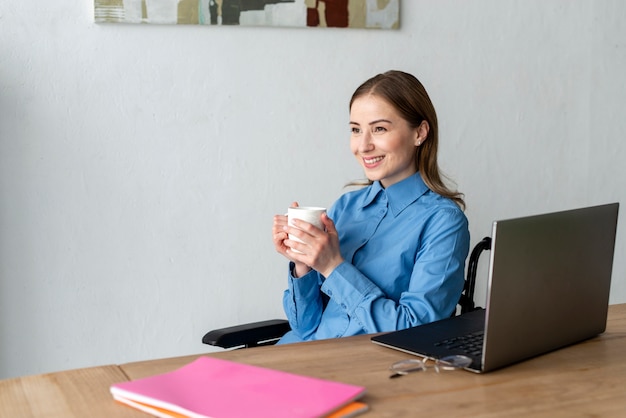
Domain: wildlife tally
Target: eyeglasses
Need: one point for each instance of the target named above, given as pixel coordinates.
(404, 367)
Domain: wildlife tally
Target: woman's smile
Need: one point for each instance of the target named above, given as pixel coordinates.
(372, 162)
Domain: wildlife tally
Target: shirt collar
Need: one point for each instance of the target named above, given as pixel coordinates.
(399, 195)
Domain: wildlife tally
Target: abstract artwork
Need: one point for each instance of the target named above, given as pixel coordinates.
(374, 14)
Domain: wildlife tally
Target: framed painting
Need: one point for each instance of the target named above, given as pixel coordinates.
(374, 14)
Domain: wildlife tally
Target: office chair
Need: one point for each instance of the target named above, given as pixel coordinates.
(268, 332)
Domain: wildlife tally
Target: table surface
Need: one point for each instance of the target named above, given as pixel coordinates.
(585, 379)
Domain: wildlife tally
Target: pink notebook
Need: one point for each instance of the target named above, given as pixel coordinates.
(211, 387)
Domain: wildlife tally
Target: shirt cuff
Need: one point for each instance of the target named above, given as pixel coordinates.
(305, 286)
(348, 287)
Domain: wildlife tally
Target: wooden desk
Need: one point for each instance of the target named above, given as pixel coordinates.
(585, 379)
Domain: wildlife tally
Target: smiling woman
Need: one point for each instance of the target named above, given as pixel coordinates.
(402, 95)
(384, 143)
(390, 255)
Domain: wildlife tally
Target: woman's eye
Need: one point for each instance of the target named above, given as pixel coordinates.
(379, 129)
(355, 130)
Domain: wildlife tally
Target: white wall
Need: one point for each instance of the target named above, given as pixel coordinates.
(140, 165)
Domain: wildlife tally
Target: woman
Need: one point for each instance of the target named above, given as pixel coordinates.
(392, 254)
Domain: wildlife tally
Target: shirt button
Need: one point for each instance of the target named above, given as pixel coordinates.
(343, 305)
(329, 293)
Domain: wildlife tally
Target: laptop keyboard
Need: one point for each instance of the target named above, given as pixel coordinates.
(470, 344)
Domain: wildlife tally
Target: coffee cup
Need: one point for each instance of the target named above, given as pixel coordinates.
(308, 214)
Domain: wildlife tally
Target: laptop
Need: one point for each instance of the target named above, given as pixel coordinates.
(549, 282)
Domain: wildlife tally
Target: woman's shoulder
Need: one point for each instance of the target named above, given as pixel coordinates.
(355, 192)
(351, 197)
(348, 203)
(439, 202)
(440, 207)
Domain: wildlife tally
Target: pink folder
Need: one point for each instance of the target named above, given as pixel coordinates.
(211, 387)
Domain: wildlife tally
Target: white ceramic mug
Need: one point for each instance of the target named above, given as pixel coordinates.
(306, 213)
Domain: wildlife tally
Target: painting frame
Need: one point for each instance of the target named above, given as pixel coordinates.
(359, 14)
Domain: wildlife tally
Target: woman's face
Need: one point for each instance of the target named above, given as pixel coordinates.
(382, 141)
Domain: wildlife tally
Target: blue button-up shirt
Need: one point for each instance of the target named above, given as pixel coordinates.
(404, 251)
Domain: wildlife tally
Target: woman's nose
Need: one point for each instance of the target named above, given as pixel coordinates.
(366, 144)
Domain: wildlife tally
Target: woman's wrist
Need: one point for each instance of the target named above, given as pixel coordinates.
(299, 270)
(327, 272)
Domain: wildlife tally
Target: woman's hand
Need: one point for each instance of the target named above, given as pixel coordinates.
(318, 250)
(280, 236)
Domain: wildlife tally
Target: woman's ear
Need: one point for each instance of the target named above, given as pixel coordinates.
(421, 133)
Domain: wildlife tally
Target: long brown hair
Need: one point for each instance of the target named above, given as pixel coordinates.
(409, 97)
